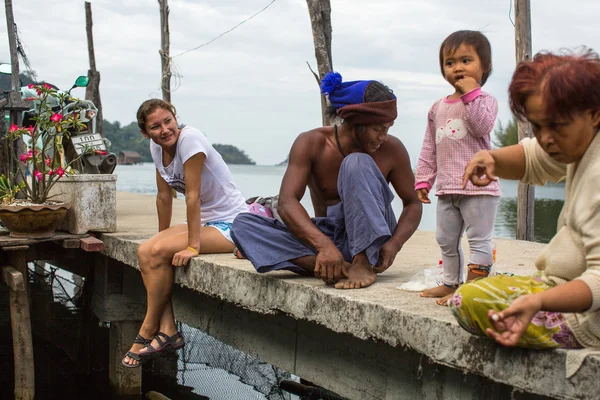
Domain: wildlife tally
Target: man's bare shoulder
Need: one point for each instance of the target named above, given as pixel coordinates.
(311, 141)
(394, 149)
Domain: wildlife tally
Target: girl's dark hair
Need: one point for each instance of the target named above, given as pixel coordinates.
(475, 39)
(148, 107)
(374, 92)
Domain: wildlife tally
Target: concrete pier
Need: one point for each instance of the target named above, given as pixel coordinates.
(374, 343)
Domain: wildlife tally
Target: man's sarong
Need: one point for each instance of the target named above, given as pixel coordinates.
(471, 302)
(362, 221)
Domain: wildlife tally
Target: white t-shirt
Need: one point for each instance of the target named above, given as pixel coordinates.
(220, 198)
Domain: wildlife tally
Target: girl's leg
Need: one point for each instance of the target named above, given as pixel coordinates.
(448, 234)
(479, 214)
(472, 301)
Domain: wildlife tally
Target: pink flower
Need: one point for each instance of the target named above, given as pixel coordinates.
(59, 171)
(38, 175)
(46, 86)
(50, 173)
(48, 161)
(100, 152)
(30, 128)
(13, 128)
(24, 157)
(56, 117)
(31, 86)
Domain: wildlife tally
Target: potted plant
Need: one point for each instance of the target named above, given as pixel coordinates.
(26, 208)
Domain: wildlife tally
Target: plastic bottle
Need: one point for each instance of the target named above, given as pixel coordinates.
(493, 252)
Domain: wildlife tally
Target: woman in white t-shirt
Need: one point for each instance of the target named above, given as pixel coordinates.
(185, 161)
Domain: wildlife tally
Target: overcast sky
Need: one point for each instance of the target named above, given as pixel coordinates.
(252, 87)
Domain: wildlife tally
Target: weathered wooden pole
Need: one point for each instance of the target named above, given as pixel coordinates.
(525, 193)
(165, 59)
(320, 20)
(15, 103)
(15, 276)
(92, 91)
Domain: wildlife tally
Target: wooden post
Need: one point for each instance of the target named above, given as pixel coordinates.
(12, 45)
(525, 193)
(165, 60)
(15, 277)
(16, 105)
(92, 91)
(320, 20)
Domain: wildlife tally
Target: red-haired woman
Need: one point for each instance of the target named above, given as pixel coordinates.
(559, 306)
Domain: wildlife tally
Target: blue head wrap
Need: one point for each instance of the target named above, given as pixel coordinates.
(348, 98)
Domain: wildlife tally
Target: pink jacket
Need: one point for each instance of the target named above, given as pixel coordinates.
(456, 130)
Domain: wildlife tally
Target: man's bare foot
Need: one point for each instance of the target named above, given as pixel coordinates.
(357, 276)
(444, 300)
(438, 291)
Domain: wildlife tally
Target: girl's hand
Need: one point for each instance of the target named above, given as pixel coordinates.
(466, 84)
(183, 257)
(423, 195)
(512, 322)
(481, 170)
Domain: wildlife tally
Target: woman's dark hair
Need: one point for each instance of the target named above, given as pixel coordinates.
(374, 92)
(148, 107)
(475, 39)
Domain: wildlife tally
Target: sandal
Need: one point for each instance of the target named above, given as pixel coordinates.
(170, 343)
(139, 339)
(238, 254)
(479, 269)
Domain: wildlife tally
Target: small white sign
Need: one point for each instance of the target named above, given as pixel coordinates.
(91, 141)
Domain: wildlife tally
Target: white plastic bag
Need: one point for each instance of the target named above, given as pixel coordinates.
(425, 279)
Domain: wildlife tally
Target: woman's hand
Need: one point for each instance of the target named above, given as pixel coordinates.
(511, 323)
(183, 257)
(481, 170)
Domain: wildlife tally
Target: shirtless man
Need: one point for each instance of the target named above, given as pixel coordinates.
(347, 169)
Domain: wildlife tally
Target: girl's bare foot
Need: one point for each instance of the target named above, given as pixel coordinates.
(438, 291)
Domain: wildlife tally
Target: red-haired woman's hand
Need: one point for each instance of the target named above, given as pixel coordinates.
(481, 170)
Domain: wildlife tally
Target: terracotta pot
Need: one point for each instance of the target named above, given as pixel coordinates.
(37, 221)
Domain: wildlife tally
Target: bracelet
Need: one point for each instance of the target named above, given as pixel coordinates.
(193, 249)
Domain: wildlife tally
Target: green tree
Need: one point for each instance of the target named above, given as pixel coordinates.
(233, 155)
(126, 138)
(506, 136)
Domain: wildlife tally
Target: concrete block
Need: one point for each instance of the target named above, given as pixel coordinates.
(93, 202)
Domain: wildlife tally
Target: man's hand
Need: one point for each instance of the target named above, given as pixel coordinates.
(330, 265)
(481, 170)
(423, 195)
(510, 324)
(182, 258)
(387, 255)
(466, 84)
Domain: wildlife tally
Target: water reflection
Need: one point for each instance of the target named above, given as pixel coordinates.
(545, 218)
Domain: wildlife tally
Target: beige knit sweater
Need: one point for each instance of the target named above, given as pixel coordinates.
(574, 252)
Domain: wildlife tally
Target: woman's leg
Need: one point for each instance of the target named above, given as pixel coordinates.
(472, 301)
(155, 258)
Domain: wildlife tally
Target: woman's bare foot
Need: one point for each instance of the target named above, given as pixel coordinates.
(438, 291)
(358, 276)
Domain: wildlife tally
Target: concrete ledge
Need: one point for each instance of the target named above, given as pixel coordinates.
(382, 312)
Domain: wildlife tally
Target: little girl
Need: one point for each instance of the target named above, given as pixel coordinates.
(459, 126)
